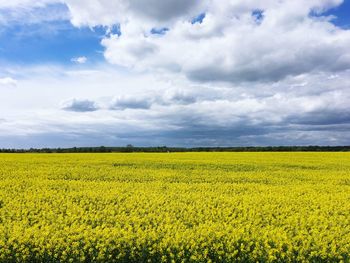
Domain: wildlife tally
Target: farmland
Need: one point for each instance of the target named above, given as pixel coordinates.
(177, 207)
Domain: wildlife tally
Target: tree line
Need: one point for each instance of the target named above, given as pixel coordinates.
(165, 149)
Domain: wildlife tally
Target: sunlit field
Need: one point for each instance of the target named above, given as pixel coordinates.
(176, 207)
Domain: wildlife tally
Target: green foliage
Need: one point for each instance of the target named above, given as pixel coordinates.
(164, 149)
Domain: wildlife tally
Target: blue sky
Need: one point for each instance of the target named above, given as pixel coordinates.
(209, 73)
(57, 41)
(342, 14)
(32, 44)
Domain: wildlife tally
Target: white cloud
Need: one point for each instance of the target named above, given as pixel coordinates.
(25, 3)
(230, 46)
(8, 82)
(32, 13)
(79, 60)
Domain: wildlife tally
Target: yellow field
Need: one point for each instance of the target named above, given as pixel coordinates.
(191, 207)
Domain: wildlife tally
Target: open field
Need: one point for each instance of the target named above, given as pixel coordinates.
(191, 207)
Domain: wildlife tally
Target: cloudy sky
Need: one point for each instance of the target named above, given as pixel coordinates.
(174, 72)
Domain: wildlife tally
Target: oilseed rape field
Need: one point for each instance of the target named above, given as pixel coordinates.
(176, 207)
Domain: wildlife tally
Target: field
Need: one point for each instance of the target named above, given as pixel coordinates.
(180, 207)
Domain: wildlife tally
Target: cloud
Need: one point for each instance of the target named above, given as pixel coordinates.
(233, 41)
(122, 103)
(211, 73)
(8, 82)
(79, 105)
(104, 12)
(179, 97)
(158, 98)
(79, 60)
(323, 118)
(25, 3)
(230, 46)
(32, 12)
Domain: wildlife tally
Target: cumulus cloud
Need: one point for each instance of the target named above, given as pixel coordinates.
(230, 46)
(79, 105)
(234, 42)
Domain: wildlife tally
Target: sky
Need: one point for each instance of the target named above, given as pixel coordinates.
(174, 72)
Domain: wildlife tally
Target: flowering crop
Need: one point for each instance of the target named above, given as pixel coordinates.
(178, 207)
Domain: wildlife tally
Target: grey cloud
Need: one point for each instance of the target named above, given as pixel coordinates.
(79, 105)
(163, 10)
(322, 117)
(177, 97)
(189, 136)
(215, 123)
(263, 134)
(122, 103)
(311, 109)
(160, 98)
(271, 67)
(144, 102)
(183, 98)
(107, 12)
